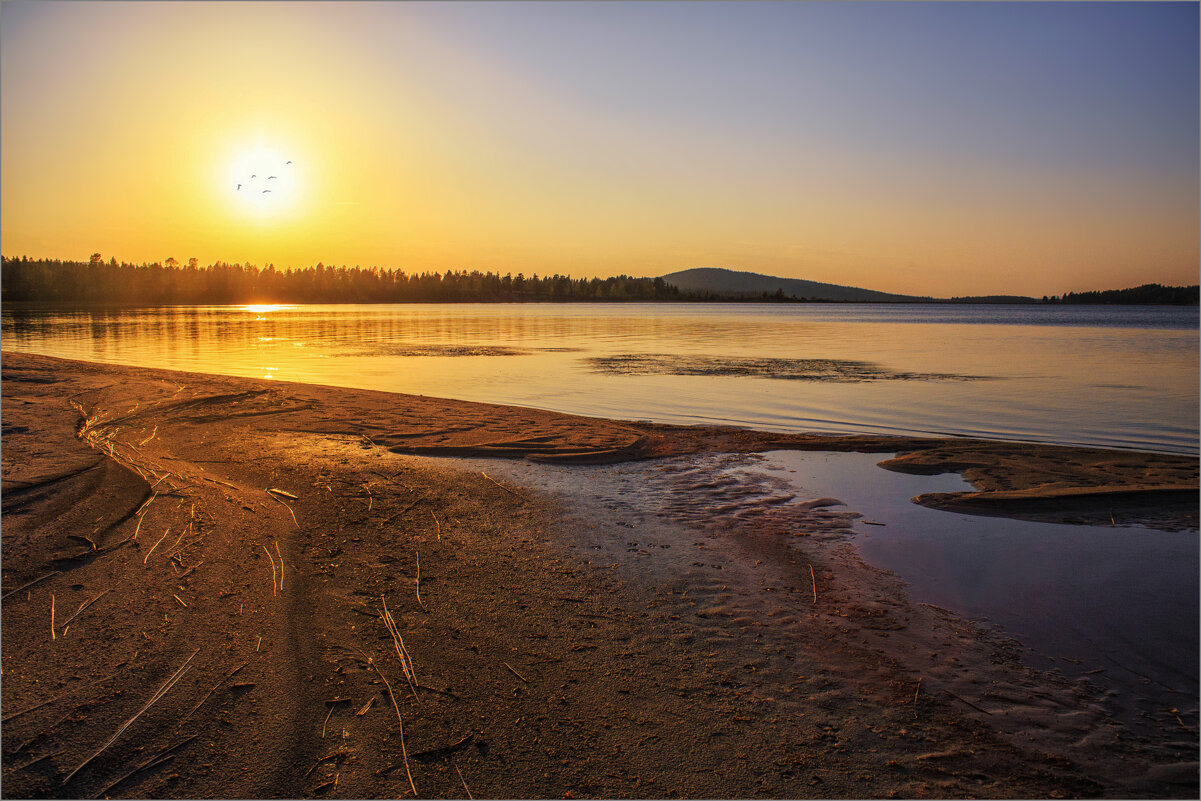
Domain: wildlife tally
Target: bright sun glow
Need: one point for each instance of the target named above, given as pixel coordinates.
(256, 308)
(264, 180)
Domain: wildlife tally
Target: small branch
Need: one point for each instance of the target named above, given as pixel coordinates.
(284, 493)
(515, 673)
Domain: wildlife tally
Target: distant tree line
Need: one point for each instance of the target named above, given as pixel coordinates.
(1147, 294)
(111, 282)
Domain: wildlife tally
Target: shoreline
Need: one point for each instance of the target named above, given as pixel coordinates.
(712, 658)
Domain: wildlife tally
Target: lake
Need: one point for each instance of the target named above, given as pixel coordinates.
(1123, 377)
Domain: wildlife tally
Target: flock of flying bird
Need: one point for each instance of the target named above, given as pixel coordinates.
(269, 177)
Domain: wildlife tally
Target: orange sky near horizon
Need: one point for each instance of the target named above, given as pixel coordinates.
(441, 136)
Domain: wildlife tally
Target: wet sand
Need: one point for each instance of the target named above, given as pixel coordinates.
(173, 629)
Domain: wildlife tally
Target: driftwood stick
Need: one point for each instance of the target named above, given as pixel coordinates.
(52, 635)
(157, 695)
(813, 578)
(284, 493)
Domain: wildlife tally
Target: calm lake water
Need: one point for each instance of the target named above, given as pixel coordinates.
(1122, 377)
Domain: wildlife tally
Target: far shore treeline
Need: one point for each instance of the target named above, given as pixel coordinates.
(99, 282)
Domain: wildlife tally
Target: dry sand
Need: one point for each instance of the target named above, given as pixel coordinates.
(173, 629)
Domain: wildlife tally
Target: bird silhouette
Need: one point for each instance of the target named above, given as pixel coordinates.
(253, 176)
(265, 191)
(287, 162)
(269, 177)
(239, 186)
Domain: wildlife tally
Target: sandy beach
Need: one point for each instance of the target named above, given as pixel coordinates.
(226, 587)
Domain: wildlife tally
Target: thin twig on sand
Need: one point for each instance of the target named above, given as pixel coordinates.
(436, 523)
(82, 607)
(813, 578)
(419, 601)
(502, 486)
(29, 584)
(326, 721)
(403, 751)
(227, 677)
(289, 508)
(284, 493)
(402, 653)
(271, 559)
(160, 540)
(157, 759)
(461, 779)
(281, 566)
(52, 634)
(157, 695)
(915, 692)
(515, 673)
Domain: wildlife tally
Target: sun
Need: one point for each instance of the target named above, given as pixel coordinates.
(264, 180)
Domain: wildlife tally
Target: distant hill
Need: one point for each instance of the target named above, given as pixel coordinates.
(732, 283)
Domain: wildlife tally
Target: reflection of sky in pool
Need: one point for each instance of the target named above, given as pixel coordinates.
(1122, 599)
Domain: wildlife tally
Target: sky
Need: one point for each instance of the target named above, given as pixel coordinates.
(926, 148)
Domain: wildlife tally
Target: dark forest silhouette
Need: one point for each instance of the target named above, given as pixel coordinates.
(97, 281)
(122, 283)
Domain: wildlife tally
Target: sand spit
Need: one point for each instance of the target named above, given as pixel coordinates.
(220, 587)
